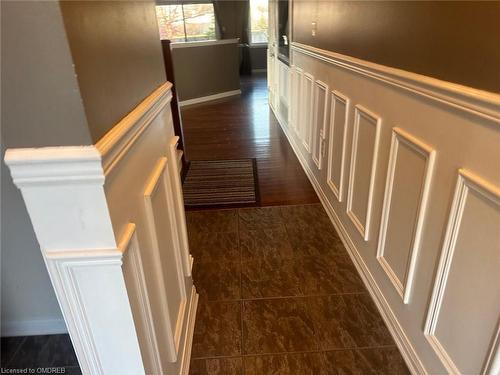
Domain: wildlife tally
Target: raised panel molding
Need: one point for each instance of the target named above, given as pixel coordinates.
(401, 138)
(297, 103)
(178, 200)
(159, 184)
(334, 181)
(468, 184)
(307, 111)
(133, 271)
(363, 226)
(320, 119)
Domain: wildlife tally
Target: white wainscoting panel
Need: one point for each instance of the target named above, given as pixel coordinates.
(62, 190)
(388, 194)
(307, 110)
(364, 155)
(298, 101)
(411, 164)
(178, 201)
(136, 149)
(464, 309)
(133, 271)
(130, 305)
(320, 121)
(294, 97)
(159, 210)
(283, 89)
(339, 118)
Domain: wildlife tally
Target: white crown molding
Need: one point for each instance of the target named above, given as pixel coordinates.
(115, 143)
(477, 102)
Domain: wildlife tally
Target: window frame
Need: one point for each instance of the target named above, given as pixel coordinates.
(184, 22)
(251, 43)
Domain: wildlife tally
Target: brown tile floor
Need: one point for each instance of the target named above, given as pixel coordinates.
(280, 295)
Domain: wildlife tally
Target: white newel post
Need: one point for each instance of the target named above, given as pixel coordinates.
(63, 191)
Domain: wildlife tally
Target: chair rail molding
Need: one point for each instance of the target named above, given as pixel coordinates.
(63, 191)
(477, 102)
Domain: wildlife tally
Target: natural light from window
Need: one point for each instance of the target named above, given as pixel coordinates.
(186, 22)
(258, 21)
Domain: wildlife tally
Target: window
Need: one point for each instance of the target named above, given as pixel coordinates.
(186, 22)
(258, 21)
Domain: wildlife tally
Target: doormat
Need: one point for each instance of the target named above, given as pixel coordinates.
(212, 183)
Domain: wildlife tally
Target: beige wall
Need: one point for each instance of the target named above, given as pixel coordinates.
(206, 70)
(117, 55)
(453, 41)
(41, 106)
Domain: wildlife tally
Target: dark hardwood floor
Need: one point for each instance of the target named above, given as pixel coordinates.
(245, 127)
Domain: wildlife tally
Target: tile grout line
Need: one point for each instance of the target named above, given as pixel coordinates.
(241, 290)
(353, 348)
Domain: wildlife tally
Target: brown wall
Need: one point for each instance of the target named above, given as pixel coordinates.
(258, 57)
(117, 56)
(206, 70)
(453, 41)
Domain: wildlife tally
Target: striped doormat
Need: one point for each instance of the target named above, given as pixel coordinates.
(211, 183)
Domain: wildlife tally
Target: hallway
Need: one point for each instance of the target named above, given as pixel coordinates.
(244, 127)
(278, 291)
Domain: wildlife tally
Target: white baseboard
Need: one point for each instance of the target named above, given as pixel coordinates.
(402, 341)
(263, 70)
(208, 98)
(33, 327)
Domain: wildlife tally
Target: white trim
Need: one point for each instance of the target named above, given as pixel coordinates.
(492, 364)
(203, 43)
(477, 102)
(188, 341)
(114, 145)
(129, 246)
(319, 136)
(157, 177)
(33, 327)
(178, 201)
(209, 98)
(400, 136)
(79, 249)
(402, 341)
(360, 111)
(466, 181)
(307, 117)
(55, 166)
(338, 191)
(297, 103)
